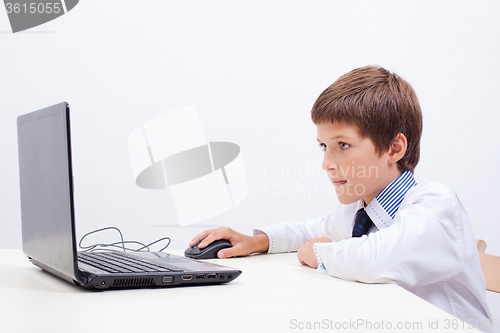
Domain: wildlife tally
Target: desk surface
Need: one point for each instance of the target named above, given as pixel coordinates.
(273, 294)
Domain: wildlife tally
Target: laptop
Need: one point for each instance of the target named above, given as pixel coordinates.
(48, 219)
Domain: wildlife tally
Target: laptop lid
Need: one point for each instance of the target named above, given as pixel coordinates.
(48, 217)
(46, 188)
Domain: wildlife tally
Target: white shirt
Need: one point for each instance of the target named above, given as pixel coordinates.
(426, 247)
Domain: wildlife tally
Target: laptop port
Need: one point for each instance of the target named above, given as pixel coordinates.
(187, 277)
(103, 284)
(167, 279)
(212, 275)
(200, 276)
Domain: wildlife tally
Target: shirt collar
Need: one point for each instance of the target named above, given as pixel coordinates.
(384, 206)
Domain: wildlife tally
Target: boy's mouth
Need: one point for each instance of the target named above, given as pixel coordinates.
(339, 182)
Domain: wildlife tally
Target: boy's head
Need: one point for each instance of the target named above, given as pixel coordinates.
(380, 104)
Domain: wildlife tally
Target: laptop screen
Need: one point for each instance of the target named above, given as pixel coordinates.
(46, 189)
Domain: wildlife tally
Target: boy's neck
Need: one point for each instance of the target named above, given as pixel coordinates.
(390, 177)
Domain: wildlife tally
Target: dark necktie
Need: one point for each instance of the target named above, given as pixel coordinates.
(362, 223)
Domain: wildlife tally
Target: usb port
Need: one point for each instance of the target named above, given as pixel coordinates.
(212, 275)
(187, 277)
(200, 276)
(167, 279)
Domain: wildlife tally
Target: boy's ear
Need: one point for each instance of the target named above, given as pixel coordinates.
(398, 148)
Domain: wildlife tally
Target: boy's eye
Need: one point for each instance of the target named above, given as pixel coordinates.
(322, 146)
(344, 145)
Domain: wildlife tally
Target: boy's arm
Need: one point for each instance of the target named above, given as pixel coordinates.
(289, 236)
(280, 237)
(425, 244)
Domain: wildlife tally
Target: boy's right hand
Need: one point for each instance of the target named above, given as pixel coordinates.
(243, 245)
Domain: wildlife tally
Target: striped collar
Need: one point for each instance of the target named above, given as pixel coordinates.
(384, 206)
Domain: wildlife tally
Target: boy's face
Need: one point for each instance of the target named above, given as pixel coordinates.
(356, 170)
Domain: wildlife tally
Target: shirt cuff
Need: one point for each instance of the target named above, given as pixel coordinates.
(277, 238)
(257, 232)
(321, 252)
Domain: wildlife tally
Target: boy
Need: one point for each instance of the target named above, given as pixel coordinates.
(388, 228)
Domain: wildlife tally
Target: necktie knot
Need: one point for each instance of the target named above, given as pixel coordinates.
(362, 223)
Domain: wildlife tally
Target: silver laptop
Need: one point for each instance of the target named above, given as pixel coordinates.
(48, 219)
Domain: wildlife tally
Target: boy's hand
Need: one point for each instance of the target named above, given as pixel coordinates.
(306, 254)
(243, 245)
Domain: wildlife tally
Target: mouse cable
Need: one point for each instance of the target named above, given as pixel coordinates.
(120, 244)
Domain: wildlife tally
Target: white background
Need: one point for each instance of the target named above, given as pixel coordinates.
(253, 69)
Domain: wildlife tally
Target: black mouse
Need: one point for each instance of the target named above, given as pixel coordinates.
(209, 251)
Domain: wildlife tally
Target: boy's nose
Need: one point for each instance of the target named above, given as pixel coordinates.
(328, 164)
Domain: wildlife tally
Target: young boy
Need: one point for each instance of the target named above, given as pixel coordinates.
(388, 228)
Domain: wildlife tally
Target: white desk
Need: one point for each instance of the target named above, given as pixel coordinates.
(273, 294)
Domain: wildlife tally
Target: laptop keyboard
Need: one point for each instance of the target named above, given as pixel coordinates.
(117, 262)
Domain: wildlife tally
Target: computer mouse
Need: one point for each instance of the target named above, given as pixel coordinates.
(209, 251)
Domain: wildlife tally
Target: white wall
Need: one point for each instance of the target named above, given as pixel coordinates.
(254, 69)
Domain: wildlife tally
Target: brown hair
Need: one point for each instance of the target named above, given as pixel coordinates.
(380, 104)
